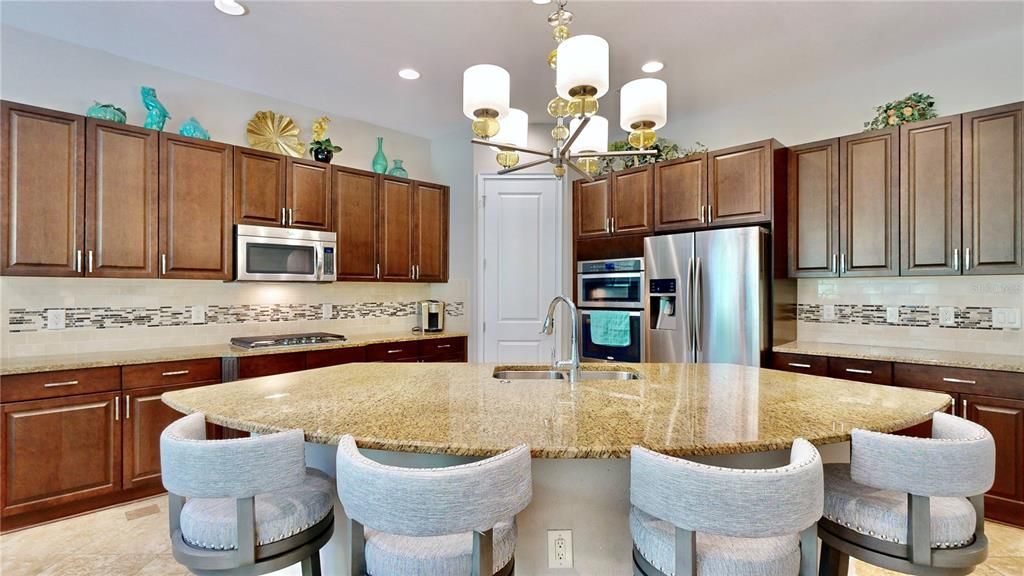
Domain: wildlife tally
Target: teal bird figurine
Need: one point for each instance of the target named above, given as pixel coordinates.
(193, 129)
(157, 115)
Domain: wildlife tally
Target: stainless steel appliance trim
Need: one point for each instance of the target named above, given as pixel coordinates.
(583, 264)
(291, 233)
(637, 304)
(958, 381)
(56, 384)
(642, 336)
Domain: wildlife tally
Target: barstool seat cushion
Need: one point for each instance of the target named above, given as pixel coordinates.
(211, 522)
(450, 555)
(883, 513)
(716, 555)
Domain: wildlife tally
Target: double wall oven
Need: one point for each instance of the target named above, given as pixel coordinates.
(610, 296)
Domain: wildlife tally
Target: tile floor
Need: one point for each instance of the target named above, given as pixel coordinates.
(131, 540)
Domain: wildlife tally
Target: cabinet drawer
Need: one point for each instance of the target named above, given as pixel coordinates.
(442, 347)
(269, 364)
(872, 371)
(802, 363)
(393, 352)
(960, 380)
(456, 357)
(321, 358)
(59, 383)
(168, 373)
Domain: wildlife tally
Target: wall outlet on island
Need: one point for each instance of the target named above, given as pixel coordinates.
(55, 319)
(559, 548)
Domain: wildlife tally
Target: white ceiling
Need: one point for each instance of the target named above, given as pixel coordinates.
(344, 57)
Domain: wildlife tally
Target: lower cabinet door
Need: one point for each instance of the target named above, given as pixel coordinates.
(145, 417)
(59, 451)
(1004, 418)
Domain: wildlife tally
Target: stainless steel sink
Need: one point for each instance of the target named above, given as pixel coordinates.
(534, 374)
(608, 375)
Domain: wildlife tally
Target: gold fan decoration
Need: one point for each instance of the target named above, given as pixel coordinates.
(274, 132)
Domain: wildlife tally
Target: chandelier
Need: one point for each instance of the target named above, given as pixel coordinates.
(580, 135)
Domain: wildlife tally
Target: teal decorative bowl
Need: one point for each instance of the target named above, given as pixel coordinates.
(107, 112)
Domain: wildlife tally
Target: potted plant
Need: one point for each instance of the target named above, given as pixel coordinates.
(321, 147)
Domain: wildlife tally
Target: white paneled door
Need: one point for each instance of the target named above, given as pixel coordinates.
(519, 232)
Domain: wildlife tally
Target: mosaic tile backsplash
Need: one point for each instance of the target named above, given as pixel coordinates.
(969, 317)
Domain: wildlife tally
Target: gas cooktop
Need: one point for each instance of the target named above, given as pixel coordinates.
(286, 340)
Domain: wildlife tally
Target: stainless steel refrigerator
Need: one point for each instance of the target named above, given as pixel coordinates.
(706, 296)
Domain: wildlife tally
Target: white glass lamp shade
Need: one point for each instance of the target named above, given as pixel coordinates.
(485, 87)
(643, 100)
(513, 129)
(582, 61)
(594, 137)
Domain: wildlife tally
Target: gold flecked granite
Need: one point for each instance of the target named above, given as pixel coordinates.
(47, 363)
(981, 361)
(460, 409)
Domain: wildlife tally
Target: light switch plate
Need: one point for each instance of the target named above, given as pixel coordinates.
(55, 319)
(892, 314)
(199, 314)
(325, 311)
(946, 316)
(828, 312)
(559, 548)
(1006, 318)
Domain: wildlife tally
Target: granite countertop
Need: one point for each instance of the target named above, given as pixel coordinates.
(47, 363)
(981, 361)
(460, 409)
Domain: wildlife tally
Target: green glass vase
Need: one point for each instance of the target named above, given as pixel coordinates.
(380, 162)
(398, 170)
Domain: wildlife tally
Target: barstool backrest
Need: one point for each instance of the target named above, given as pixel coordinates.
(727, 501)
(195, 467)
(959, 459)
(433, 501)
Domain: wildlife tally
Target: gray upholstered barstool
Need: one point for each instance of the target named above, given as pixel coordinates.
(913, 505)
(454, 521)
(691, 519)
(243, 507)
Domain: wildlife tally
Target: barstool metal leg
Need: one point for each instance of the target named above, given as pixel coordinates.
(809, 551)
(483, 556)
(833, 562)
(311, 564)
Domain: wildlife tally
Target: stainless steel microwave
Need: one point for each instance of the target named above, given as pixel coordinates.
(267, 254)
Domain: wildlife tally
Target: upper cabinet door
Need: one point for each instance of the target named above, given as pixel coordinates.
(396, 229)
(633, 201)
(930, 197)
(814, 210)
(121, 200)
(259, 188)
(869, 204)
(43, 196)
(740, 183)
(195, 208)
(309, 195)
(993, 208)
(591, 206)
(355, 195)
(431, 225)
(680, 193)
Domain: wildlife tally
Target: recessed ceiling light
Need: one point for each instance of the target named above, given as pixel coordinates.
(408, 74)
(652, 67)
(230, 7)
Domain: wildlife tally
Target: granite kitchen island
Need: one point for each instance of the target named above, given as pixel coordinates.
(579, 433)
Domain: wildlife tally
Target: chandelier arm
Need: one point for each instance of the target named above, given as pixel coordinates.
(579, 170)
(611, 154)
(510, 147)
(572, 138)
(524, 166)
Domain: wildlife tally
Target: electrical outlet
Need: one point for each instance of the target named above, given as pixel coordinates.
(199, 314)
(892, 314)
(828, 312)
(325, 311)
(55, 319)
(946, 316)
(559, 548)
(1006, 318)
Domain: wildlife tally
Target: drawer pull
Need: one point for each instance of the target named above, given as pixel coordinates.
(175, 373)
(858, 371)
(799, 365)
(395, 351)
(440, 346)
(56, 384)
(958, 381)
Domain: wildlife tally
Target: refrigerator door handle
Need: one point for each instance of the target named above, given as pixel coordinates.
(691, 327)
(698, 306)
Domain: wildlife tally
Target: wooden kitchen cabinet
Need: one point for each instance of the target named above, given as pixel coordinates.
(430, 221)
(355, 196)
(993, 200)
(259, 185)
(681, 194)
(195, 208)
(43, 195)
(121, 200)
(1004, 418)
(270, 364)
(740, 183)
(396, 234)
(801, 363)
(59, 451)
(813, 210)
(930, 195)
(860, 370)
(145, 417)
(591, 205)
(869, 204)
(308, 195)
(632, 201)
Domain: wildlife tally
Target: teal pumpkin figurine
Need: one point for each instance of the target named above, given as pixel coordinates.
(107, 112)
(157, 115)
(193, 129)
(380, 162)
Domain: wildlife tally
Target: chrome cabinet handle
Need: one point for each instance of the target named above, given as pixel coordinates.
(958, 381)
(608, 225)
(967, 259)
(89, 260)
(711, 215)
(175, 373)
(377, 273)
(700, 217)
(128, 407)
(291, 216)
(956, 259)
(394, 351)
(612, 219)
(163, 263)
(835, 263)
(284, 216)
(799, 365)
(963, 408)
(56, 384)
(444, 346)
(858, 371)
(842, 263)
(412, 272)
(117, 408)
(78, 260)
